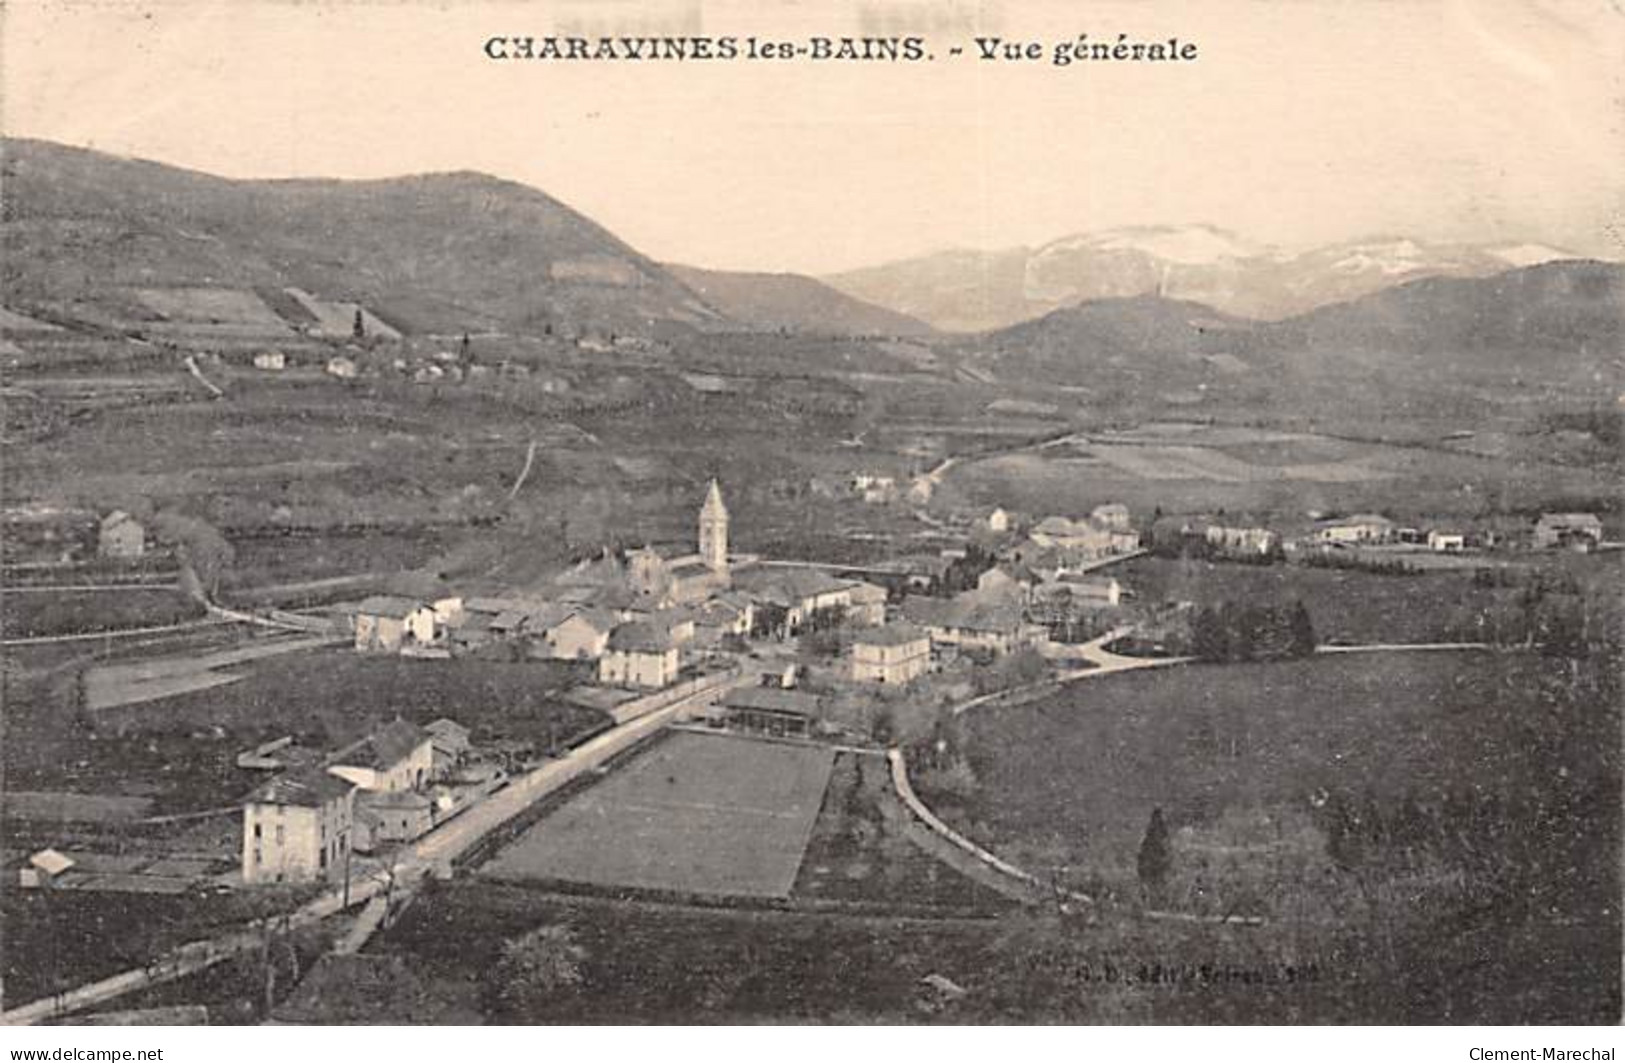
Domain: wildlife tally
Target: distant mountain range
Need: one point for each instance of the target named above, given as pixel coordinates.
(1178, 311)
(1554, 323)
(967, 291)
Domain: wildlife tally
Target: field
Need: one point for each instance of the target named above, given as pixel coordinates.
(696, 814)
(85, 612)
(1188, 468)
(1079, 774)
(862, 848)
(1345, 605)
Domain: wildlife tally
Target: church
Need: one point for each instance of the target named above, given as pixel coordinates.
(670, 577)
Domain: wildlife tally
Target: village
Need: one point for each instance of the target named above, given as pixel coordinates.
(782, 648)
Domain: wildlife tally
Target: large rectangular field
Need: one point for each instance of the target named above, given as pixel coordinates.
(696, 814)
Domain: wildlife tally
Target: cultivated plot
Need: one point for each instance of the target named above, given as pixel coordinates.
(697, 814)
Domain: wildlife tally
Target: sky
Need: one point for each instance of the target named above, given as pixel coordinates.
(1301, 122)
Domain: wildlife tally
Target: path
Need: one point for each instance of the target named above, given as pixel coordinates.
(431, 854)
(123, 632)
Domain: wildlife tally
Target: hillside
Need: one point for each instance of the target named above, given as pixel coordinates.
(794, 303)
(973, 291)
(87, 233)
(1558, 324)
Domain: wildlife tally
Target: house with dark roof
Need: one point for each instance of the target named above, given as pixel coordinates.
(771, 710)
(298, 828)
(973, 622)
(397, 756)
(1582, 530)
(639, 654)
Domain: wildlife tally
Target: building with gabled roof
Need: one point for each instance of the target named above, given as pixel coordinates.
(771, 710)
(386, 623)
(298, 828)
(639, 654)
(1565, 529)
(120, 535)
(397, 756)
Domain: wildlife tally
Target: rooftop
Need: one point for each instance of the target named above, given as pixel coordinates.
(388, 605)
(384, 748)
(641, 637)
(309, 789)
(772, 699)
(890, 635)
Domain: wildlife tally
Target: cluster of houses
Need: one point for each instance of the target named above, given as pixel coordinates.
(55, 535)
(389, 787)
(1578, 531)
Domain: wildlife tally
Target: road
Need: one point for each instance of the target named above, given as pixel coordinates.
(434, 852)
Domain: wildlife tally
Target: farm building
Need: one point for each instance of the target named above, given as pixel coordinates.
(342, 367)
(999, 521)
(867, 605)
(120, 536)
(297, 828)
(800, 592)
(391, 816)
(726, 614)
(1447, 542)
(1009, 578)
(1566, 529)
(44, 868)
(771, 711)
(892, 655)
(1240, 541)
(1360, 528)
(1112, 515)
(582, 634)
(384, 624)
(449, 743)
(398, 756)
(270, 360)
(973, 622)
(639, 654)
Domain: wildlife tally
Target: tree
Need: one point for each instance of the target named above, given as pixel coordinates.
(358, 327)
(1156, 856)
(1302, 642)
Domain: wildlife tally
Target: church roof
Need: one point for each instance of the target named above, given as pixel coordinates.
(713, 502)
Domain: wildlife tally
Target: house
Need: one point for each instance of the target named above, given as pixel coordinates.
(297, 828)
(893, 655)
(866, 604)
(44, 868)
(449, 744)
(724, 615)
(1087, 591)
(921, 572)
(388, 817)
(271, 360)
(639, 654)
(679, 623)
(341, 367)
(384, 624)
(397, 756)
(799, 592)
(999, 521)
(972, 622)
(1446, 542)
(874, 488)
(1362, 528)
(120, 536)
(582, 635)
(770, 710)
(1013, 579)
(1113, 516)
(1568, 529)
(1240, 541)
(1082, 540)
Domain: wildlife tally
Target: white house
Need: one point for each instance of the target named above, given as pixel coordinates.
(892, 655)
(297, 828)
(271, 360)
(639, 654)
(384, 624)
(998, 520)
(120, 535)
(1360, 528)
(1446, 542)
(1557, 529)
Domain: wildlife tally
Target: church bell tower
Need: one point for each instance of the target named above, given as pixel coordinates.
(714, 530)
